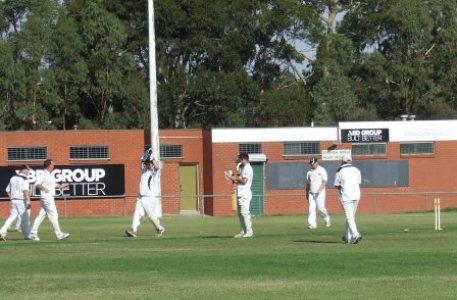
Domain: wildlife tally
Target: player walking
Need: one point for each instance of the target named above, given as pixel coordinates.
(347, 180)
(18, 191)
(316, 179)
(47, 185)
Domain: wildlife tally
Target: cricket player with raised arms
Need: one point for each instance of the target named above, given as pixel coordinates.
(147, 201)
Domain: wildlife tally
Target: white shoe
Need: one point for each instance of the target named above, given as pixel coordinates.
(130, 233)
(312, 227)
(248, 235)
(2, 237)
(63, 236)
(239, 235)
(34, 237)
(160, 232)
(328, 223)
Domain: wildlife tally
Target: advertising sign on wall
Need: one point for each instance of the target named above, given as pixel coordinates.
(365, 135)
(336, 154)
(85, 181)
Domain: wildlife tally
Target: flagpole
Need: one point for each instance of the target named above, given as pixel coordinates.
(155, 144)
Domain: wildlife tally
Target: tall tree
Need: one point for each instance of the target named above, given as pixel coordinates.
(12, 87)
(410, 36)
(67, 72)
(110, 66)
(239, 48)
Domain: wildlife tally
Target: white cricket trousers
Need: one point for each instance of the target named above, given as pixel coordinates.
(350, 208)
(244, 214)
(48, 208)
(18, 209)
(146, 205)
(316, 200)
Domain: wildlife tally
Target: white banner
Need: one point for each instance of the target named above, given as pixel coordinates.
(335, 154)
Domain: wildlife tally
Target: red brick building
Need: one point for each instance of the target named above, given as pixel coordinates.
(404, 164)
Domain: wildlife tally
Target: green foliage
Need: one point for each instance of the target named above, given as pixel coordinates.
(225, 63)
(414, 40)
(12, 86)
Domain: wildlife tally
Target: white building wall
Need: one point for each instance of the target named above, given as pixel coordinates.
(399, 131)
(411, 131)
(285, 134)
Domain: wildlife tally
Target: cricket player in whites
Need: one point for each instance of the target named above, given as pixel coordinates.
(243, 181)
(46, 184)
(316, 179)
(348, 180)
(147, 202)
(19, 192)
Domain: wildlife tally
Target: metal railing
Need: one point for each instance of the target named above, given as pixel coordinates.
(374, 203)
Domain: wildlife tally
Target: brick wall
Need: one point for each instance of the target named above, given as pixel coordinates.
(125, 147)
(428, 174)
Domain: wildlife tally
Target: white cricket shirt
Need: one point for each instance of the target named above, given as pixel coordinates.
(47, 180)
(244, 190)
(17, 185)
(315, 177)
(349, 179)
(147, 182)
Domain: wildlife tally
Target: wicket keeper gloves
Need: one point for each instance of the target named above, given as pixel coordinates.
(149, 155)
(154, 154)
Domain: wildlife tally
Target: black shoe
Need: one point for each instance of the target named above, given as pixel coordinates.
(356, 240)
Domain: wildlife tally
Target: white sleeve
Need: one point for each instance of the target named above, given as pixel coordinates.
(8, 188)
(249, 173)
(39, 180)
(25, 185)
(324, 174)
(337, 179)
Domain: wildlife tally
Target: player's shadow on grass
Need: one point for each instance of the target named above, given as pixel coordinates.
(217, 237)
(316, 242)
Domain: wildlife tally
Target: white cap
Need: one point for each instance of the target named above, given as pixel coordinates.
(346, 158)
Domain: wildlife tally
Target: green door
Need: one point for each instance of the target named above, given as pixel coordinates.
(188, 187)
(257, 190)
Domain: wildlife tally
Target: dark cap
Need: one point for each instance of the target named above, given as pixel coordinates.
(243, 156)
(24, 167)
(313, 160)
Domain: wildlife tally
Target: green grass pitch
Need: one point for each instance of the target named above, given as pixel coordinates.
(400, 257)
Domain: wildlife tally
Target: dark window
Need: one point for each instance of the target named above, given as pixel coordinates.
(302, 148)
(417, 148)
(89, 152)
(251, 148)
(171, 151)
(369, 149)
(27, 153)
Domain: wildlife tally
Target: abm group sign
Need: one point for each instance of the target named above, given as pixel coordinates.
(85, 181)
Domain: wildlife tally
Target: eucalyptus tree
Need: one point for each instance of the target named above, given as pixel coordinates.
(216, 59)
(12, 87)
(330, 83)
(111, 96)
(407, 55)
(67, 73)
